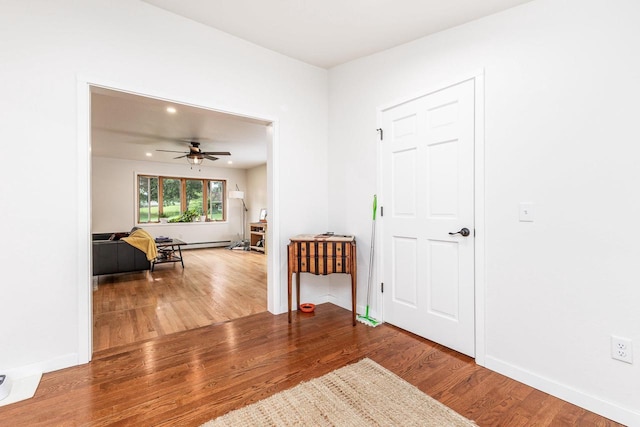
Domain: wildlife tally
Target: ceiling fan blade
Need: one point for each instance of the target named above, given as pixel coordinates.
(210, 157)
(179, 157)
(172, 151)
(216, 153)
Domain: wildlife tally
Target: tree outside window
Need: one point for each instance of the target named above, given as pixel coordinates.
(171, 207)
(147, 199)
(215, 211)
(194, 195)
(177, 196)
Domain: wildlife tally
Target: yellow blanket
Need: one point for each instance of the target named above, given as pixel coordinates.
(142, 240)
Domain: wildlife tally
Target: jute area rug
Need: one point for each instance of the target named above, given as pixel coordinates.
(361, 394)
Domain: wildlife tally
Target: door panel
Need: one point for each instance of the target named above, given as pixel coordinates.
(404, 183)
(442, 270)
(443, 171)
(427, 189)
(404, 271)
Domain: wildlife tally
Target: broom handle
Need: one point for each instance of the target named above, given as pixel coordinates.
(371, 251)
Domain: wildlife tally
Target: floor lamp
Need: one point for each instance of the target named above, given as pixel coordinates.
(244, 244)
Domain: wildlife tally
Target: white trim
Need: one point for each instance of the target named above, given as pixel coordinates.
(626, 416)
(421, 93)
(378, 271)
(479, 201)
(273, 226)
(85, 282)
(83, 255)
(26, 378)
(44, 366)
(479, 220)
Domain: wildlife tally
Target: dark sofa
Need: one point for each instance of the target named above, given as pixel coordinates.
(116, 256)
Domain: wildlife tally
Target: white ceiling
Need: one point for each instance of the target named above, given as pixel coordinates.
(127, 126)
(331, 32)
(324, 33)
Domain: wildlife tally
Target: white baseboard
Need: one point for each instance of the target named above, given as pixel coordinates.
(203, 245)
(360, 309)
(21, 388)
(319, 300)
(44, 366)
(592, 403)
(25, 379)
(340, 303)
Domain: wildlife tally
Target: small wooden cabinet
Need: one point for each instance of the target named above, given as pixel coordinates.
(321, 254)
(258, 240)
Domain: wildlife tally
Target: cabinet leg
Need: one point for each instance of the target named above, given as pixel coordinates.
(354, 281)
(289, 295)
(353, 298)
(297, 290)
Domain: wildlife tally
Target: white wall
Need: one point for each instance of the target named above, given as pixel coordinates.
(47, 47)
(561, 103)
(561, 99)
(114, 191)
(256, 192)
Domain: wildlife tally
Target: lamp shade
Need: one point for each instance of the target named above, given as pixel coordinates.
(236, 194)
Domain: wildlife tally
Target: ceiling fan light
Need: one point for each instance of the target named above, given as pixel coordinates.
(195, 160)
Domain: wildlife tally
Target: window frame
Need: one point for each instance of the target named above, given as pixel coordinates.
(183, 196)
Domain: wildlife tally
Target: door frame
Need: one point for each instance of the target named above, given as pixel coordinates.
(478, 193)
(83, 274)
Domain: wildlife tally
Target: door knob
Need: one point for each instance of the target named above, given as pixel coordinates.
(464, 232)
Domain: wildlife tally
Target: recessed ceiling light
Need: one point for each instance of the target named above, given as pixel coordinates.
(148, 154)
(229, 162)
(171, 110)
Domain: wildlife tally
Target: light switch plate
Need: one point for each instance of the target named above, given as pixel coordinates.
(526, 212)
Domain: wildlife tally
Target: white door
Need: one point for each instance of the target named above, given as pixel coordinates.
(427, 189)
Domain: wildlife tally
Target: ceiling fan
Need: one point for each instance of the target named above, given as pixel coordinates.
(196, 156)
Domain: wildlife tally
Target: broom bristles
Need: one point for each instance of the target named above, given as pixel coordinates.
(368, 321)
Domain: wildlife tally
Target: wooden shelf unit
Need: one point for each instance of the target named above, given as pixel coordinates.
(258, 233)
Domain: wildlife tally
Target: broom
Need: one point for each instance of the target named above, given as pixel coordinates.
(366, 319)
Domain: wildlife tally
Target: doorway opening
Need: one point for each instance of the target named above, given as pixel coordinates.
(87, 188)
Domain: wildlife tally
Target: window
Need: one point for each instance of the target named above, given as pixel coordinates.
(215, 191)
(170, 197)
(194, 195)
(147, 199)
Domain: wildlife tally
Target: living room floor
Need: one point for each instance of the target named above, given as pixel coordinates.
(216, 285)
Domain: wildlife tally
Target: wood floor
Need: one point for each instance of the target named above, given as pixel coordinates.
(187, 378)
(216, 285)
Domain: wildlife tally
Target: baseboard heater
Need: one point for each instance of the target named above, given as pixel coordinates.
(202, 245)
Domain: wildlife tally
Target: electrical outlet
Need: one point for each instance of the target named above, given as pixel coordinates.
(621, 349)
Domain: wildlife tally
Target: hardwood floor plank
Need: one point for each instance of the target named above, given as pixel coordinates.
(192, 376)
(505, 399)
(216, 285)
